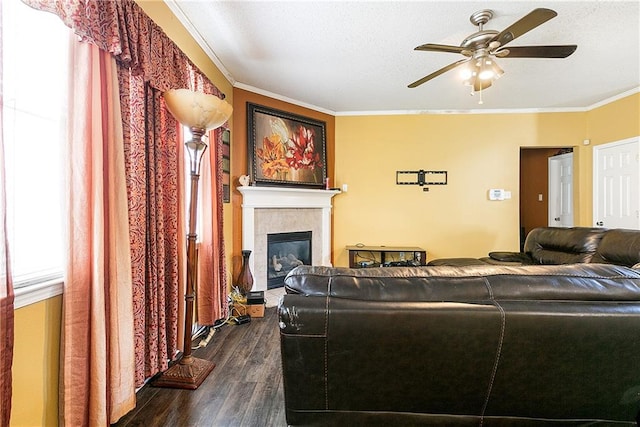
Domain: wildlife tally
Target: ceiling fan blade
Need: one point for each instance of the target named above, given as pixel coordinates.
(538, 51)
(525, 24)
(440, 48)
(437, 73)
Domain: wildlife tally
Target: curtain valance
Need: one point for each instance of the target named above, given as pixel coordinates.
(123, 29)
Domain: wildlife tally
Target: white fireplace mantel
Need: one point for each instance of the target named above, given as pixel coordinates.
(276, 197)
(284, 198)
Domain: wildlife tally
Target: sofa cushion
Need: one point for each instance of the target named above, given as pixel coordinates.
(507, 258)
(458, 262)
(556, 245)
(619, 246)
(544, 245)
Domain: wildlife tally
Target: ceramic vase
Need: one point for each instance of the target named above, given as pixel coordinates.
(245, 278)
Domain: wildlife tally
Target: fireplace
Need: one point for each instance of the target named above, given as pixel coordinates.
(286, 251)
(272, 210)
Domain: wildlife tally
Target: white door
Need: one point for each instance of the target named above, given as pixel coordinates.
(616, 184)
(561, 190)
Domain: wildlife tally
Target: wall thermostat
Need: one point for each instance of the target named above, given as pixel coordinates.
(497, 194)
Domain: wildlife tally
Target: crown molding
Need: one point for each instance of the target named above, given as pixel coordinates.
(495, 111)
(284, 98)
(174, 6)
(613, 98)
(444, 112)
(436, 112)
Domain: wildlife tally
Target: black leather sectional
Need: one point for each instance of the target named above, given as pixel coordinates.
(555, 245)
(464, 345)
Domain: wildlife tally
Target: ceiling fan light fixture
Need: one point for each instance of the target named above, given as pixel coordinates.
(466, 73)
(489, 70)
(486, 74)
(497, 70)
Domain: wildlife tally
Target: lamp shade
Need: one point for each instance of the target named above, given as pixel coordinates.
(196, 109)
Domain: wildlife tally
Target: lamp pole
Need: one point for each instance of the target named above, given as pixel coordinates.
(189, 372)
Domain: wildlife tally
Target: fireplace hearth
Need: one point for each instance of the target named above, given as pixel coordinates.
(286, 251)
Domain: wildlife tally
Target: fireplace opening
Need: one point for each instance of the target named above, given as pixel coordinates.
(285, 251)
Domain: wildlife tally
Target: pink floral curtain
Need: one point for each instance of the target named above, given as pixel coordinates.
(152, 160)
(149, 63)
(212, 291)
(97, 343)
(6, 288)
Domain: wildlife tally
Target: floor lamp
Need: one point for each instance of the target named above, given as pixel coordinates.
(200, 112)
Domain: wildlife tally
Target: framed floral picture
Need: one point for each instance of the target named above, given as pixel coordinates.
(285, 149)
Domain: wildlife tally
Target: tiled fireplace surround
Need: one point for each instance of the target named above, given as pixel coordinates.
(268, 210)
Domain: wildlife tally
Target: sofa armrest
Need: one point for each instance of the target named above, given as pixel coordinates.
(511, 257)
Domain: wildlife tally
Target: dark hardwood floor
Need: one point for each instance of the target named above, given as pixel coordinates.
(244, 389)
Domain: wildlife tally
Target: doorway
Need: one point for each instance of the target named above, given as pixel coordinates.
(561, 190)
(534, 187)
(616, 183)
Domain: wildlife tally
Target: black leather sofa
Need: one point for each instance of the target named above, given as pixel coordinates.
(473, 345)
(554, 245)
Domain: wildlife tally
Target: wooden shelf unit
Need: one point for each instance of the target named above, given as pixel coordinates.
(379, 255)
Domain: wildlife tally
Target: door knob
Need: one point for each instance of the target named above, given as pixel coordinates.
(599, 223)
(556, 218)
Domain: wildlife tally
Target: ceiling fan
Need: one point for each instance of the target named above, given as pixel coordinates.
(483, 47)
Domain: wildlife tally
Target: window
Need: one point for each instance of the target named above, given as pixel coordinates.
(35, 73)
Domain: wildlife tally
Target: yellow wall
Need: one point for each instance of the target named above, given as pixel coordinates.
(615, 121)
(479, 152)
(612, 122)
(35, 364)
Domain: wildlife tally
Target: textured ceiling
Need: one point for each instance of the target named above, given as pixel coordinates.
(350, 57)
